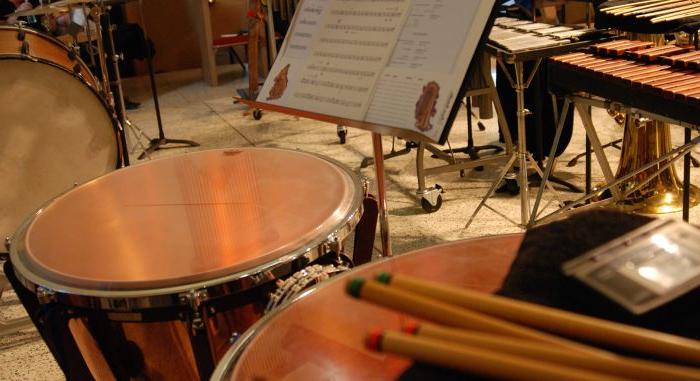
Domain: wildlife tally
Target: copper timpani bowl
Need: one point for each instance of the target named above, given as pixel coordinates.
(320, 334)
(218, 221)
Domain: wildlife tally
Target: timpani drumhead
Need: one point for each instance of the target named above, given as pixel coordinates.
(320, 335)
(174, 222)
(55, 132)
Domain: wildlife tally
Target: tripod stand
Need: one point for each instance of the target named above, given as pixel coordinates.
(161, 141)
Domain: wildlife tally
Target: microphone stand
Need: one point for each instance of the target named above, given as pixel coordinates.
(161, 141)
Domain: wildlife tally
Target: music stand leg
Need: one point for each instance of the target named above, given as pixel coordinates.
(381, 194)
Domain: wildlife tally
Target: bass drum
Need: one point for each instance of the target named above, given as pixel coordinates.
(57, 131)
(44, 47)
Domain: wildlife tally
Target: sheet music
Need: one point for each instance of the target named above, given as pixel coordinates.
(427, 67)
(398, 63)
(352, 45)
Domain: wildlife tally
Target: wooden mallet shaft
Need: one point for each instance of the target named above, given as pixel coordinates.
(619, 366)
(569, 324)
(451, 315)
(476, 360)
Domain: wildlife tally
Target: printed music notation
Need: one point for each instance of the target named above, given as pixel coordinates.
(398, 63)
(337, 51)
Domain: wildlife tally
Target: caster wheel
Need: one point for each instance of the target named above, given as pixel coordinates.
(257, 114)
(430, 208)
(342, 136)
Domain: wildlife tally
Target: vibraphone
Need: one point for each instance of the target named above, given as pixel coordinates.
(514, 42)
(517, 36)
(661, 83)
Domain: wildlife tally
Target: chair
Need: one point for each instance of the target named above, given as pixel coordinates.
(229, 42)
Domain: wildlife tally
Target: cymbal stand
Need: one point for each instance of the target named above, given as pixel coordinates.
(88, 34)
(96, 13)
(159, 142)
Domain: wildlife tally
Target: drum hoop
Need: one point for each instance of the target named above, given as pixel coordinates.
(170, 296)
(51, 39)
(116, 126)
(233, 354)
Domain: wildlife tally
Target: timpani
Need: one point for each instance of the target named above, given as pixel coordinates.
(174, 250)
(320, 334)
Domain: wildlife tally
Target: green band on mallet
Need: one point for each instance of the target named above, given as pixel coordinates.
(384, 277)
(354, 286)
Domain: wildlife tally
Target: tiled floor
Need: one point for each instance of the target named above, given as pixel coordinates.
(192, 110)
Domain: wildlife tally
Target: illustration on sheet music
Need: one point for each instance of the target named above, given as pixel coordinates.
(425, 107)
(280, 85)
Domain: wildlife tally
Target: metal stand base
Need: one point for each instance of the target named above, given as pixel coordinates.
(161, 141)
(158, 144)
(535, 180)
